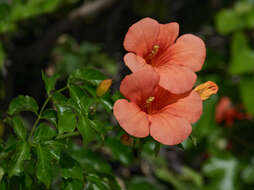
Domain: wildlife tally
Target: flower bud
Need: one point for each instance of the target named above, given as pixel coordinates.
(206, 89)
(103, 87)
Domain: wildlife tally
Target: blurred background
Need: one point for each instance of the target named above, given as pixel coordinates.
(59, 36)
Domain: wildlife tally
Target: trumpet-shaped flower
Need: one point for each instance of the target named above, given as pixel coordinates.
(176, 61)
(150, 109)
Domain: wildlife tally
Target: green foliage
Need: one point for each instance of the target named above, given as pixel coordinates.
(50, 82)
(242, 56)
(247, 94)
(22, 103)
(43, 133)
(237, 18)
(19, 127)
(72, 56)
(44, 166)
(17, 161)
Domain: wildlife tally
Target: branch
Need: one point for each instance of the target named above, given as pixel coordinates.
(89, 8)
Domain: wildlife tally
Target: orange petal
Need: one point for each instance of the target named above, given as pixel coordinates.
(131, 118)
(168, 34)
(138, 86)
(189, 107)
(206, 89)
(168, 129)
(176, 79)
(134, 62)
(189, 50)
(141, 36)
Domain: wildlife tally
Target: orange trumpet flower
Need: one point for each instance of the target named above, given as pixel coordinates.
(155, 45)
(153, 110)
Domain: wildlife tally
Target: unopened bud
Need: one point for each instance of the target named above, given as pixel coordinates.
(127, 140)
(206, 89)
(103, 87)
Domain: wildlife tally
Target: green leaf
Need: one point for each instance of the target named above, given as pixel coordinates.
(247, 94)
(79, 98)
(50, 115)
(55, 148)
(75, 172)
(50, 82)
(222, 173)
(44, 166)
(17, 163)
(43, 132)
(66, 119)
(74, 185)
(107, 104)
(242, 57)
(227, 21)
(88, 75)
(19, 127)
(22, 103)
(59, 98)
(86, 130)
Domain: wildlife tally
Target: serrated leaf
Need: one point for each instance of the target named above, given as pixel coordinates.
(85, 129)
(50, 82)
(89, 75)
(19, 127)
(43, 132)
(50, 115)
(17, 163)
(44, 166)
(66, 120)
(22, 103)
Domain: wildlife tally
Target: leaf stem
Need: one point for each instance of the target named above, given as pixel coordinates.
(75, 133)
(41, 111)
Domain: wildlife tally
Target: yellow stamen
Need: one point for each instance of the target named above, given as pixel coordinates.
(150, 99)
(206, 89)
(153, 52)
